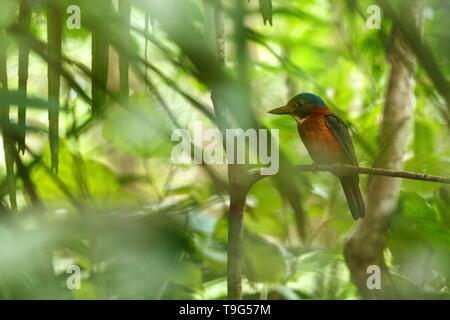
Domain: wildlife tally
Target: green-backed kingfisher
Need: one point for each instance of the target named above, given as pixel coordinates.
(327, 140)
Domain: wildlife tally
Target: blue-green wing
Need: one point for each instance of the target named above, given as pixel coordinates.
(340, 131)
(349, 182)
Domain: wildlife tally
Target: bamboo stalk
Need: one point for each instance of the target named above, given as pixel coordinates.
(54, 38)
(100, 60)
(125, 15)
(39, 47)
(24, 24)
(8, 145)
(147, 20)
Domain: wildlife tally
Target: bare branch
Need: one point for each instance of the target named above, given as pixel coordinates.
(344, 169)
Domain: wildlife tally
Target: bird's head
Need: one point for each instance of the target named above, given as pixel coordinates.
(301, 105)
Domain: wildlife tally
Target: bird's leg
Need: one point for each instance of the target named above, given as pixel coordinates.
(336, 164)
(314, 167)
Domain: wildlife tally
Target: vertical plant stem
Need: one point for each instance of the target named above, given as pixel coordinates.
(237, 174)
(54, 38)
(100, 62)
(125, 15)
(235, 239)
(8, 143)
(215, 36)
(24, 24)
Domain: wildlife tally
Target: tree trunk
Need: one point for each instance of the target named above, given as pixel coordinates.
(365, 245)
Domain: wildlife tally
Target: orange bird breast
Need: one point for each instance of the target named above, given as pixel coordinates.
(318, 139)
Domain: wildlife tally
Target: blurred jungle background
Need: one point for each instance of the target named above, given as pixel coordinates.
(91, 91)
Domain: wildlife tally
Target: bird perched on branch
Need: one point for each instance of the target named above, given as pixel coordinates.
(327, 140)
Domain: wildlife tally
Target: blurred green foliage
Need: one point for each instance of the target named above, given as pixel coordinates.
(141, 227)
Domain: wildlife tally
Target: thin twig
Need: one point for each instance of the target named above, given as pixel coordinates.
(346, 169)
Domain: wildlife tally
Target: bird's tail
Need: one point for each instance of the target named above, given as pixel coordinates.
(353, 195)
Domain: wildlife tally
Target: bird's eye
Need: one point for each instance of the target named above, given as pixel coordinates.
(298, 104)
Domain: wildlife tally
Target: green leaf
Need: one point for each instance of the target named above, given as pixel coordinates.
(86, 180)
(189, 275)
(12, 97)
(258, 267)
(137, 130)
(265, 6)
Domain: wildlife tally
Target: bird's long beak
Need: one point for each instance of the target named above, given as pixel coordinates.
(287, 109)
